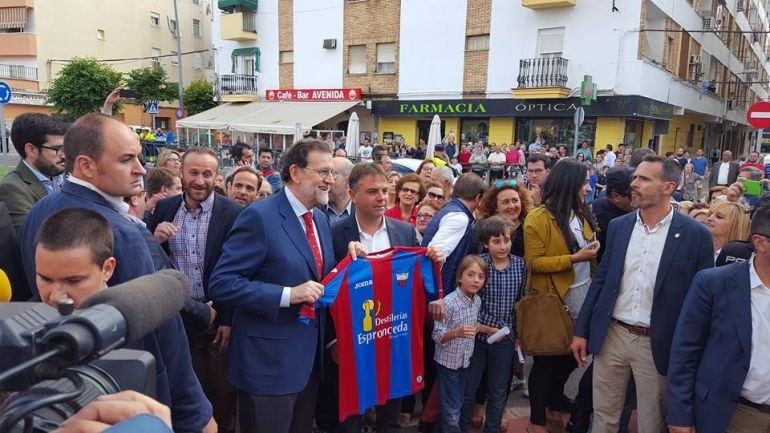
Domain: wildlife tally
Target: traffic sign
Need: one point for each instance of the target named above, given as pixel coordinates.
(580, 115)
(758, 115)
(152, 107)
(5, 93)
(181, 113)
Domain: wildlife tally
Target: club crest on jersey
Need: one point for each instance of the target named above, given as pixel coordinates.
(402, 278)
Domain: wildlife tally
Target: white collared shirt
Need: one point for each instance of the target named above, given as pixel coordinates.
(117, 203)
(299, 210)
(378, 241)
(640, 270)
(756, 387)
(724, 171)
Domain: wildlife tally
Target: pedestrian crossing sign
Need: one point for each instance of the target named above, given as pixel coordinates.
(152, 107)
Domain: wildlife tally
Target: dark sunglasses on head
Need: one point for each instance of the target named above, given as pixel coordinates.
(502, 183)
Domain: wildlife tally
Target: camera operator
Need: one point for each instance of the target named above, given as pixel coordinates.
(110, 413)
(74, 259)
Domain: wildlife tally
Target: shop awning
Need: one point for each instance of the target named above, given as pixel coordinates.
(218, 117)
(266, 117)
(246, 4)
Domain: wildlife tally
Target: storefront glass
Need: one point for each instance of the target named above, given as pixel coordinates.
(633, 133)
(474, 130)
(555, 131)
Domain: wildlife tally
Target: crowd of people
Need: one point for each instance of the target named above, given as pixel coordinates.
(659, 267)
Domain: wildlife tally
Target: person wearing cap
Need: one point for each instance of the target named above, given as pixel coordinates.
(439, 157)
(616, 203)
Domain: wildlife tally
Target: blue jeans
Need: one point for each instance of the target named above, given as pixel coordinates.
(498, 360)
(451, 393)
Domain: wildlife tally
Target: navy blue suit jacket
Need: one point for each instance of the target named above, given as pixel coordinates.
(271, 351)
(131, 251)
(223, 214)
(687, 250)
(712, 350)
(400, 234)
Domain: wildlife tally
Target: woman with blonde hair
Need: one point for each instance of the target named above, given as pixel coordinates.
(727, 221)
(170, 159)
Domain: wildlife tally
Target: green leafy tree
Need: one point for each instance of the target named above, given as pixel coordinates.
(81, 86)
(198, 97)
(151, 84)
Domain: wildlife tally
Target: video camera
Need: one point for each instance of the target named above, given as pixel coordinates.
(61, 360)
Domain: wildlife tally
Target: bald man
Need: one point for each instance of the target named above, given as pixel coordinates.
(339, 206)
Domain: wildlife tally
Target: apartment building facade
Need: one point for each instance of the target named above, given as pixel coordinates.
(668, 74)
(38, 37)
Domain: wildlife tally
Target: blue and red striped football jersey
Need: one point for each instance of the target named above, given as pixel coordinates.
(378, 307)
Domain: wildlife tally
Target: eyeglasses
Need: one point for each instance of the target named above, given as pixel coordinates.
(502, 183)
(58, 149)
(264, 194)
(410, 191)
(424, 216)
(435, 196)
(536, 170)
(324, 173)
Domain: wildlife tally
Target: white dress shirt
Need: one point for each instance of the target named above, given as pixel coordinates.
(609, 158)
(724, 172)
(640, 270)
(756, 388)
(299, 210)
(451, 230)
(117, 203)
(378, 241)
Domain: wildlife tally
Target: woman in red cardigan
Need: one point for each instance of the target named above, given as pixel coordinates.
(409, 192)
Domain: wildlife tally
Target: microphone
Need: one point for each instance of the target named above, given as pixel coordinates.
(5, 287)
(118, 316)
(146, 302)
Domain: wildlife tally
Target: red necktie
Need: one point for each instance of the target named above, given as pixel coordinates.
(308, 309)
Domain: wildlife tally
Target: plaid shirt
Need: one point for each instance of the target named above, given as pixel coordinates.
(188, 246)
(500, 294)
(460, 310)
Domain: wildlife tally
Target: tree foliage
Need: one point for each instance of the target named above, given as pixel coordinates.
(81, 86)
(151, 84)
(198, 97)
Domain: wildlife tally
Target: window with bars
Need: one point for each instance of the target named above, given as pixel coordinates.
(357, 59)
(550, 42)
(386, 58)
(477, 43)
(286, 57)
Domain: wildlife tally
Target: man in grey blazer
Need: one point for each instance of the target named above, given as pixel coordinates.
(39, 139)
(724, 172)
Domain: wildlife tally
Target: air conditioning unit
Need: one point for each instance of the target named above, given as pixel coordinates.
(330, 44)
(694, 59)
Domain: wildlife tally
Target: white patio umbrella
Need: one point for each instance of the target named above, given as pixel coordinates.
(297, 132)
(351, 141)
(434, 136)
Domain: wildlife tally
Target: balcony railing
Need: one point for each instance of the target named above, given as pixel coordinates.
(237, 84)
(18, 72)
(542, 72)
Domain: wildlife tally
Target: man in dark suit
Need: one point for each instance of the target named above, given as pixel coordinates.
(192, 228)
(38, 138)
(627, 319)
(277, 252)
(371, 231)
(103, 157)
(719, 372)
(724, 172)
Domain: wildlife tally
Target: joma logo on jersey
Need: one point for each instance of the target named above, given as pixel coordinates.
(402, 278)
(361, 284)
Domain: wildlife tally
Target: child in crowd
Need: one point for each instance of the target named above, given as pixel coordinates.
(455, 165)
(454, 337)
(504, 286)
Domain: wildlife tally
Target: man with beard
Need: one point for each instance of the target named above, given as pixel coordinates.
(628, 317)
(266, 167)
(278, 251)
(38, 138)
(192, 228)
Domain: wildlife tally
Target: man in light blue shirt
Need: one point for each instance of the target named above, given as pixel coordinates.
(699, 163)
(38, 139)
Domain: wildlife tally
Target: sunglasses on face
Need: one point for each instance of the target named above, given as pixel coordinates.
(410, 191)
(435, 196)
(502, 183)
